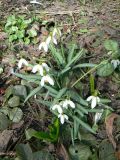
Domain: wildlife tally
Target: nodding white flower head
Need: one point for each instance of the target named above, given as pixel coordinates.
(22, 62)
(35, 2)
(68, 103)
(56, 33)
(62, 118)
(48, 40)
(98, 116)
(45, 45)
(47, 79)
(115, 63)
(39, 68)
(58, 107)
(94, 101)
(44, 65)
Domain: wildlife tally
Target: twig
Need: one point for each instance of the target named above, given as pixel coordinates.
(12, 154)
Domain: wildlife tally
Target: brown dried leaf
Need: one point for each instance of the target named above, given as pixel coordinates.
(117, 154)
(109, 128)
(62, 153)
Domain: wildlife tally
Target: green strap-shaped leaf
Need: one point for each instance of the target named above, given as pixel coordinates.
(76, 97)
(71, 54)
(75, 59)
(85, 125)
(59, 95)
(82, 108)
(84, 65)
(32, 93)
(50, 89)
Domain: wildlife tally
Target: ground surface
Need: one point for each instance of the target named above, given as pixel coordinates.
(87, 25)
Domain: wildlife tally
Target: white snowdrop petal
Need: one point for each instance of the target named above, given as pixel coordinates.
(98, 99)
(97, 117)
(94, 102)
(58, 107)
(115, 63)
(59, 32)
(48, 40)
(89, 98)
(54, 40)
(44, 46)
(71, 104)
(41, 70)
(42, 82)
(65, 104)
(35, 2)
(45, 66)
(35, 68)
(48, 79)
(62, 119)
(22, 62)
(54, 32)
(65, 116)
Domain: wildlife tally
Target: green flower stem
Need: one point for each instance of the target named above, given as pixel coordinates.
(92, 84)
(91, 70)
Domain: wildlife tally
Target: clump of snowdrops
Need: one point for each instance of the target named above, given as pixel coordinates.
(55, 78)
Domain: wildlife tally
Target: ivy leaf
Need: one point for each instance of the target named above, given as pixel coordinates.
(15, 115)
(32, 33)
(14, 101)
(111, 45)
(3, 121)
(12, 37)
(24, 152)
(105, 70)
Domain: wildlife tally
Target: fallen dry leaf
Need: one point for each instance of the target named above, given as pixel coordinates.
(109, 128)
(117, 154)
(62, 153)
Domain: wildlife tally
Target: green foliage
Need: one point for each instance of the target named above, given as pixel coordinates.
(51, 136)
(80, 152)
(12, 101)
(105, 70)
(20, 29)
(24, 152)
(4, 122)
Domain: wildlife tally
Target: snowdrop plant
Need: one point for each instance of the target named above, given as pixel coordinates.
(63, 99)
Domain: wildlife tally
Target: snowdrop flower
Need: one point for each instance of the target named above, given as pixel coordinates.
(48, 79)
(56, 33)
(44, 65)
(39, 68)
(115, 63)
(45, 44)
(58, 107)
(35, 2)
(62, 118)
(94, 100)
(48, 40)
(22, 62)
(98, 116)
(67, 103)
